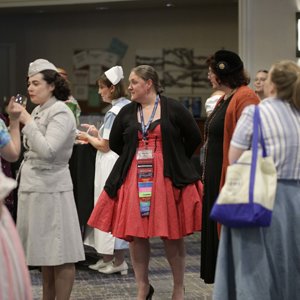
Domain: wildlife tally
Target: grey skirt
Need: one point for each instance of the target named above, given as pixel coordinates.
(263, 263)
(49, 228)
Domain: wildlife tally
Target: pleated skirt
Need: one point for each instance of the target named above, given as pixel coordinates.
(14, 275)
(49, 228)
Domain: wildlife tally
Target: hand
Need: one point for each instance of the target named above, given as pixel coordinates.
(25, 117)
(87, 126)
(91, 129)
(82, 136)
(14, 109)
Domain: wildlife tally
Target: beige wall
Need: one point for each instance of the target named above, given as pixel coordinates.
(56, 36)
(267, 32)
(19, 3)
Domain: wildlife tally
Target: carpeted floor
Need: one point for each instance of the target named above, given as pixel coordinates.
(94, 285)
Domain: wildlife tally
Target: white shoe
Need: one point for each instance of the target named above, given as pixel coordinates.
(100, 264)
(111, 269)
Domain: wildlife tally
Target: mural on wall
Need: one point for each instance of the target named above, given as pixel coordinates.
(183, 73)
(88, 65)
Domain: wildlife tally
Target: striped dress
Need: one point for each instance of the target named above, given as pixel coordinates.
(281, 130)
(264, 263)
(14, 276)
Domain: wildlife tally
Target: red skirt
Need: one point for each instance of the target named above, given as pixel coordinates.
(174, 213)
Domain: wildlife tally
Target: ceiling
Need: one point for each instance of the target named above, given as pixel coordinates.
(62, 6)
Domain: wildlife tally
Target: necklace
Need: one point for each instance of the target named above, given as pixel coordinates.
(227, 96)
(208, 123)
(145, 127)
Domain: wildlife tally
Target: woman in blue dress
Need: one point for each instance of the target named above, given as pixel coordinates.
(113, 250)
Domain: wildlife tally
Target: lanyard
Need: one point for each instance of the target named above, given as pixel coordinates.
(146, 127)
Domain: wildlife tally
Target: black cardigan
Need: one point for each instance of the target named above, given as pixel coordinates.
(180, 138)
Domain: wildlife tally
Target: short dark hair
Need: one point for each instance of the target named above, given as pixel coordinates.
(61, 87)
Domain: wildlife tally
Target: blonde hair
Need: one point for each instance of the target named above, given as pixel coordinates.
(286, 77)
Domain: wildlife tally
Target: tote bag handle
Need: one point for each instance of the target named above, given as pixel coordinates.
(256, 139)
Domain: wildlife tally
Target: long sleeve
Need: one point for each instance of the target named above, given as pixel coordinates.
(47, 146)
(49, 143)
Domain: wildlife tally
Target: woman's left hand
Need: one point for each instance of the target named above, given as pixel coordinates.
(25, 117)
(82, 136)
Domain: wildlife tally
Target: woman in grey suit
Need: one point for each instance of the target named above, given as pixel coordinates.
(47, 219)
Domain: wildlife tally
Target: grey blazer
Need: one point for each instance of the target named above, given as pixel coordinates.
(49, 142)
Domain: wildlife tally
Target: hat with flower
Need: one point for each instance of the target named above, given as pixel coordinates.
(227, 62)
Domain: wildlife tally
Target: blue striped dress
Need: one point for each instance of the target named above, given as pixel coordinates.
(264, 263)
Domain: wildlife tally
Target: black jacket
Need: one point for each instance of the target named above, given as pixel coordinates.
(180, 138)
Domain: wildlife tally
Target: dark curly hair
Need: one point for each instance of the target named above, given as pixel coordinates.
(61, 90)
(232, 80)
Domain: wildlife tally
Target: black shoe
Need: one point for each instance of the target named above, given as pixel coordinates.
(150, 293)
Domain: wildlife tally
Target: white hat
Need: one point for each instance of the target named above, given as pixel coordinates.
(6, 185)
(114, 74)
(40, 65)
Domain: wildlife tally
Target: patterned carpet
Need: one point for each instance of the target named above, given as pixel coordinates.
(96, 286)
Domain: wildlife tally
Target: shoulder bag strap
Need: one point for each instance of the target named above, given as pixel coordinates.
(254, 149)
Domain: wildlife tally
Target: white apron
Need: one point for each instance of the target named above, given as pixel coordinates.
(103, 242)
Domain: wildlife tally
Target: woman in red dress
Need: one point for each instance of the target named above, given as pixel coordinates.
(154, 189)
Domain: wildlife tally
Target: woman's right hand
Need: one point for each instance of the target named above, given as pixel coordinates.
(14, 109)
(18, 112)
(91, 129)
(25, 117)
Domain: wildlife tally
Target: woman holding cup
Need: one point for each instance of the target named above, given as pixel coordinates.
(47, 218)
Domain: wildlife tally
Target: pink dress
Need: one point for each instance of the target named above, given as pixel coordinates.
(174, 213)
(14, 275)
